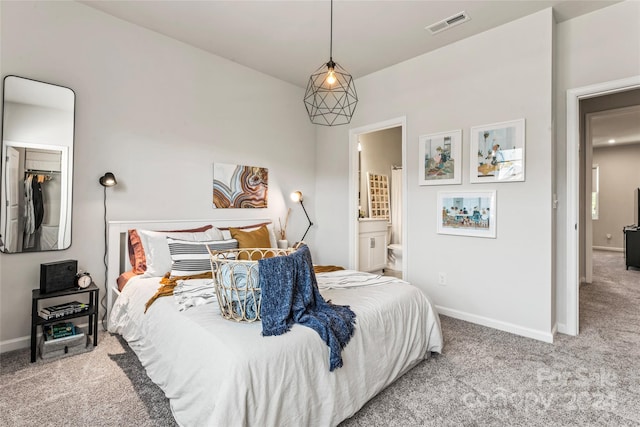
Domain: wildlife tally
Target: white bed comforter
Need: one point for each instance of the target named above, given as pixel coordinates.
(218, 372)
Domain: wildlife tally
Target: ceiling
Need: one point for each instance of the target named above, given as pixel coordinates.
(621, 124)
(290, 39)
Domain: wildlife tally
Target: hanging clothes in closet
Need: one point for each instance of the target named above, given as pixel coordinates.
(38, 200)
(34, 208)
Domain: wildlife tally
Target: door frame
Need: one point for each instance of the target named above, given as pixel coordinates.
(572, 236)
(354, 133)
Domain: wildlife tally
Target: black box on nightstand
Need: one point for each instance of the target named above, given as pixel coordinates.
(57, 276)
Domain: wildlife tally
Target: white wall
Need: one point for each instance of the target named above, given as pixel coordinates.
(158, 114)
(502, 74)
(619, 179)
(597, 47)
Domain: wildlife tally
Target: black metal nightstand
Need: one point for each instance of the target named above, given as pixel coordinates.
(92, 312)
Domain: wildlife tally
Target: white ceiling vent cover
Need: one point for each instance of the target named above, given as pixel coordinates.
(445, 24)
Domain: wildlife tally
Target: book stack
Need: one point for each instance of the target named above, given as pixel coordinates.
(59, 330)
(61, 310)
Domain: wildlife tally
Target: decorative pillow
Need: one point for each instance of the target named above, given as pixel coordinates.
(273, 240)
(156, 250)
(122, 280)
(258, 238)
(136, 251)
(192, 258)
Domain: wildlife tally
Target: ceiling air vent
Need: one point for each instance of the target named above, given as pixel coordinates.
(445, 24)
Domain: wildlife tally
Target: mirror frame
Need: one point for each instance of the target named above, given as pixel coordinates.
(67, 160)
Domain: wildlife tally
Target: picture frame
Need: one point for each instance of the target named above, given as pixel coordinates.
(497, 152)
(239, 186)
(440, 158)
(467, 213)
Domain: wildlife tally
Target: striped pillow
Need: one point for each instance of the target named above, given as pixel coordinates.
(192, 258)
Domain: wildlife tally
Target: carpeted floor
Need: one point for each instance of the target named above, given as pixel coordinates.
(483, 378)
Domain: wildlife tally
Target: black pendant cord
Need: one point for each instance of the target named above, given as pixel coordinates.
(104, 260)
(331, 35)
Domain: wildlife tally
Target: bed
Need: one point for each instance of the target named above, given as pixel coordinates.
(219, 372)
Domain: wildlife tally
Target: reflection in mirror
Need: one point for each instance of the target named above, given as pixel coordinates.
(37, 166)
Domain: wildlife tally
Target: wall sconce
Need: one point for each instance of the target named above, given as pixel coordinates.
(107, 180)
(296, 196)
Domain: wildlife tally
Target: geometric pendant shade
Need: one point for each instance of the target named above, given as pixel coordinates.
(330, 98)
(330, 104)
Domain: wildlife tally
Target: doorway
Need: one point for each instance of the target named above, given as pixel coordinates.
(578, 218)
(366, 214)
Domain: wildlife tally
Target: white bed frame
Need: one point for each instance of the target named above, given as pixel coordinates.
(118, 254)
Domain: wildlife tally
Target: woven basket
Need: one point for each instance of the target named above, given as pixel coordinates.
(235, 277)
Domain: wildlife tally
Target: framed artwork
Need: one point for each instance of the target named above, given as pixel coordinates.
(440, 158)
(237, 186)
(378, 192)
(497, 152)
(467, 213)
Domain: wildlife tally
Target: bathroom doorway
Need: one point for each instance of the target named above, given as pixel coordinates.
(377, 198)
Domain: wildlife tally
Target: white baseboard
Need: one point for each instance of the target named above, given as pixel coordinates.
(562, 328)
(25, 342)
(497, 324)
(608, 248)
(15, 344)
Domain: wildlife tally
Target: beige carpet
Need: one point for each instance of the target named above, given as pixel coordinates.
(484, 377)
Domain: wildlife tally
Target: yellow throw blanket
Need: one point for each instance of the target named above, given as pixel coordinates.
(326, 268)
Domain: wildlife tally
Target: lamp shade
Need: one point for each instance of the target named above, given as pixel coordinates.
(330, 102)
(330, 97)
(296, 196)
(108, 180)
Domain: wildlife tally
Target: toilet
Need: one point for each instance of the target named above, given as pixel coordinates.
(394, 253)
(394, 257)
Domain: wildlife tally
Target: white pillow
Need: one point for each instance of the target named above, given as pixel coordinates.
(156, 249)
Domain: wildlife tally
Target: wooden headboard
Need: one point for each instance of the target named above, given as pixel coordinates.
(118, 255)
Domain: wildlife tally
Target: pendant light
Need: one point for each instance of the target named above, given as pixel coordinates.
(331, 96)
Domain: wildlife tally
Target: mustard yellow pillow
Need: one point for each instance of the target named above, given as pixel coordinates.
(258, 238)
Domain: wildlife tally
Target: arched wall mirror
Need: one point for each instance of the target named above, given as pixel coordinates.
(37, 166)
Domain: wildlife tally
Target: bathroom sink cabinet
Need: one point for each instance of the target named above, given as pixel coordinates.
(372, 244)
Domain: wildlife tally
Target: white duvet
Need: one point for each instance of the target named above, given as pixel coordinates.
(217, 372)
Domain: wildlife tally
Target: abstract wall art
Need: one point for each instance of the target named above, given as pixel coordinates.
(237, 186)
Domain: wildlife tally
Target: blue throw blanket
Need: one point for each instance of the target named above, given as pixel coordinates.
(290, 295)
